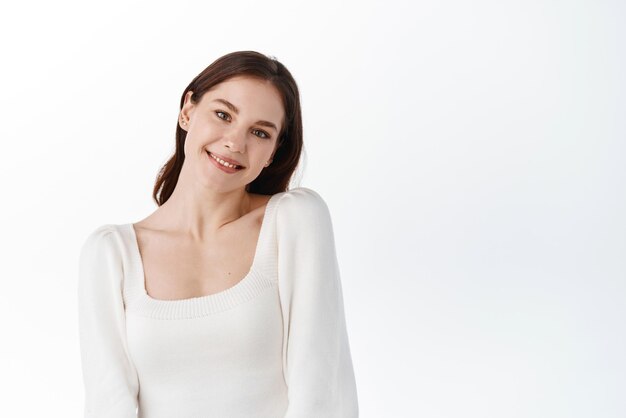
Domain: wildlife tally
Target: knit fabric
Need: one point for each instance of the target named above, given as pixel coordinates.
(273, 345)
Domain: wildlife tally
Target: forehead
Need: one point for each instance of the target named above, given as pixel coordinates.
(254, 96)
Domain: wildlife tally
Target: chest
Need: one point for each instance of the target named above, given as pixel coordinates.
(177, 268)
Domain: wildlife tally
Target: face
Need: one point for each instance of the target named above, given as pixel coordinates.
(237, 121)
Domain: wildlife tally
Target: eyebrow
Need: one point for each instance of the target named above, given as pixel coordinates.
(234, 108)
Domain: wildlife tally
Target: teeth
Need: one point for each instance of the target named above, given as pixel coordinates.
(224, 163)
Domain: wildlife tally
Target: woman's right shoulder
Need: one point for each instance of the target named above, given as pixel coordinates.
(100, 232)
(99, 238)
(100, 263)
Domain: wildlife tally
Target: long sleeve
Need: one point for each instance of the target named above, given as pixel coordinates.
(110, 380)
(317, 363)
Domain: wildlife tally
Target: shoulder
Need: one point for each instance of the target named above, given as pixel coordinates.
(302, 207)
(98, 240)
(301, 198)
(100, 262)
(303, 201)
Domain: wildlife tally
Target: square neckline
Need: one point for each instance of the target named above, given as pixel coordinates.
(229, 292)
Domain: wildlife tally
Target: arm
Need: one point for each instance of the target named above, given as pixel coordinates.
(316, 355)
(111, 384)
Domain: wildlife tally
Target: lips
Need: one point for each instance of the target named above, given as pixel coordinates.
(228, 160)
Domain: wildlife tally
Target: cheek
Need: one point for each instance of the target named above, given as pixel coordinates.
(207, 132)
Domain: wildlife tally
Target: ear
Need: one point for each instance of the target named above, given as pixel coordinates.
(186, 112)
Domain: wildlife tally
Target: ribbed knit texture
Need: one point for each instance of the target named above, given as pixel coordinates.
(273, 345)
(262, 275)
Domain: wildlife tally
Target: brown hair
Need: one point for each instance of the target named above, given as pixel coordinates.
(274, 178)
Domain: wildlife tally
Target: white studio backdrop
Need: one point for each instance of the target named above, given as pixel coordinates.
(471, 154)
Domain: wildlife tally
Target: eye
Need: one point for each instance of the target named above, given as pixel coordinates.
(265, 134)
(223, 113)
(262, 134)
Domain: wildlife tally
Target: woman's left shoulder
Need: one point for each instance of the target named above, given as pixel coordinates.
(302, 200)
(302, 215)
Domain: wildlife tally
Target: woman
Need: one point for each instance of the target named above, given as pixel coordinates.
(226, 301)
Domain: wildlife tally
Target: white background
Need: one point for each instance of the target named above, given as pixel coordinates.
(471, 154)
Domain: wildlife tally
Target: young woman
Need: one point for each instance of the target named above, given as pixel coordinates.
(226, 301)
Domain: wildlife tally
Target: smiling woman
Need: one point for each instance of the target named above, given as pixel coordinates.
(250, 149)
(226, 301)
(217, 90)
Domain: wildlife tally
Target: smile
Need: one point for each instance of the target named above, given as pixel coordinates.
(226, 166)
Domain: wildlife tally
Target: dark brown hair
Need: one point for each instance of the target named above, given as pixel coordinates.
(274, 178)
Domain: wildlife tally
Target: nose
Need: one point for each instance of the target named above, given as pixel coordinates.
(236, 141)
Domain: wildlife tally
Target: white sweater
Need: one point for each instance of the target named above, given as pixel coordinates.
(273, 345)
